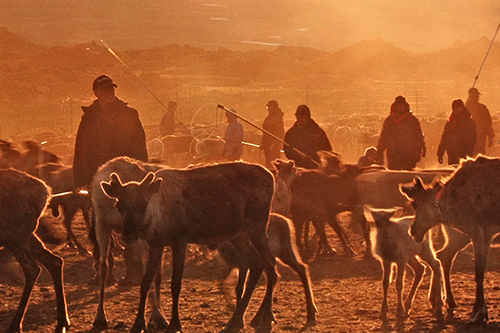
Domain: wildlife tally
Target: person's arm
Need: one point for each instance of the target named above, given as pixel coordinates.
(139, 149)
(80, 160)
(490, 133)
(383, 142)
(324, 141)
(443, 143)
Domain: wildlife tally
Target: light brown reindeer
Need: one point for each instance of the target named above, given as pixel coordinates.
(469, 201)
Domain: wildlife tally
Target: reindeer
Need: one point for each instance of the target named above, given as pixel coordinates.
(204, 205)
(319, 197)
(281, 241)
(107, 220)
(468, 201)
(392, 244)
(22, 200)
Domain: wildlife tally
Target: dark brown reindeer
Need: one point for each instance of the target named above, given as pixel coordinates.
(469, 201)
(205, 205)
(22, 200)
(319, 197)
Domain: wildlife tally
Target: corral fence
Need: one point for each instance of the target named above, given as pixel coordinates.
(371, 97)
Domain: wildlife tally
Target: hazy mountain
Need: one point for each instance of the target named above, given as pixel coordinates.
(34, 74)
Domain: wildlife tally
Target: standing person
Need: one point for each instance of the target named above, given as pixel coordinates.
(273, 124)
(167, 123)
(482, 117)
(459, 134)
(233, 146)
(401, 137)
(108, 129)
(306, 136)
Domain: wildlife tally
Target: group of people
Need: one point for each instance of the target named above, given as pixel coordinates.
(100, 138)
(466, 133)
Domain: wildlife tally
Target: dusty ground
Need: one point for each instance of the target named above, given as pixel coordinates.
(347, 290)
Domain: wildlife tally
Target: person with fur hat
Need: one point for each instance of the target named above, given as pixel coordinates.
(459, 134)
(273, 124)
(401, 138)
(109, 128)
(482, 117)
(306, 136)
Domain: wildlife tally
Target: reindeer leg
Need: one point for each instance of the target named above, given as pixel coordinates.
(401, 267)
(154, 260)
(419, 271)
(291, 258)
(386, 276)
(342, 236)
(457, 241)
(54, 265)
(481, 242)
(265, 317)
(157, 320)
(104, 236)
(178, 259)
(31, 271)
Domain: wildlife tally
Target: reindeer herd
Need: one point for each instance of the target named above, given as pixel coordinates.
(252, 217)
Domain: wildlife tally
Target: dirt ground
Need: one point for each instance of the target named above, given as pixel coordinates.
(348, 295)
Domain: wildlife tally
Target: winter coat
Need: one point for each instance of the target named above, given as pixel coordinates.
(272, 148)
(309, 140)
(403, 139)
(482, 117)
(233, 148)
(105, 134)
(459, 137)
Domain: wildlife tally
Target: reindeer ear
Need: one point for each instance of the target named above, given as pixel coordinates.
(154, 187)
(115, 179)
(113, 189)
(418, 182)
(277, 163)
(147, 180)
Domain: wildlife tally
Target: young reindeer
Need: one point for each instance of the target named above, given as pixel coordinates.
(281, 241)
(22, 200)
(392, 244)
(205, 205)
(467, 201)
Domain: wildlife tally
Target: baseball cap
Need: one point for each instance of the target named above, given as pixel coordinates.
(103, 81)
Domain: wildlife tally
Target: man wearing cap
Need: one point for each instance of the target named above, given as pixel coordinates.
(273, 124)
(108, 129)
(482, 117)
(401, 137)
(306, 136)
(459, 134)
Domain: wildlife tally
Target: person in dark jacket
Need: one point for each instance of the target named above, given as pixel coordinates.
(482, 117)
(108, 129)
(401, 137)
(459, 134)
(274, 125)
(306, 136)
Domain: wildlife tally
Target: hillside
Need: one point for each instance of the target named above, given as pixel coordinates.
(33, 75)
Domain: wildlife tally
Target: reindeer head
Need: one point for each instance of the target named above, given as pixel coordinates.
(132, 200)
(424, 201)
